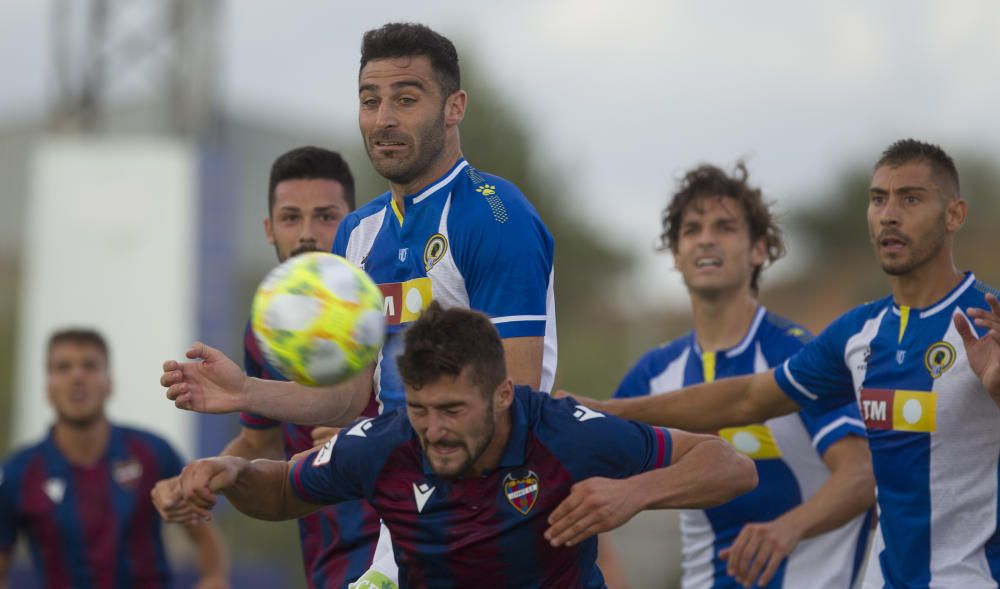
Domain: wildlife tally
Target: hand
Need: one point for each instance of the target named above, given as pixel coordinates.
(595, 505)
(169, 501)
(211, 384)
(984, 352)
(322, 434)
(759, 550)
(201, 480)
(212, 582)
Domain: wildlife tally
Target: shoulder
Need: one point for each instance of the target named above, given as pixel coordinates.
(147, 439)
(782, 335)
(659, 357)
(375, 436)
(17, 461)
(984, 289)
(487, 196)
(858, 318)
(369, 210)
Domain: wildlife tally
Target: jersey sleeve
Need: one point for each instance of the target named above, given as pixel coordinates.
(344, 468)
(506, 259)
(635, 383)
(829, 428)
(8, 511)
(254, 365)
(817, 377)
(170, 461)
(593, 444)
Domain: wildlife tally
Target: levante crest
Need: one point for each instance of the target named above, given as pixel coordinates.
(521, 491)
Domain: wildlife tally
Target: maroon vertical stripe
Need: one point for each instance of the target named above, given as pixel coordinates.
(144, 544)
(99, 524)
(43, 526)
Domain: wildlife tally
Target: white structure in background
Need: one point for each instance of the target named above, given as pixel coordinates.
(110, 244)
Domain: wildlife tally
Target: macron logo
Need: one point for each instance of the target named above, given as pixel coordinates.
(55, 489)
(325, 453)
(360, 429)
(422, 493)
(586, 413)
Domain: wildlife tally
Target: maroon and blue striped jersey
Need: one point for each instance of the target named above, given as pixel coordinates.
(483, 531)
(89, 526)
(338, 541)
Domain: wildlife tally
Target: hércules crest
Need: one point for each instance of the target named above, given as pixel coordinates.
(434, 250)
(939, 358)
(521, 491)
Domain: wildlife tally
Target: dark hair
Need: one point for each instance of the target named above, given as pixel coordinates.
(907, 151)
(80, 337)
(445, 342)
(311, 163)
(412, 39)
(710, 181)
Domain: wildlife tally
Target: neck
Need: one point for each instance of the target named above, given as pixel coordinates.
(82, 444)
(490, 457)
(722, 320)
(926, 285)
(444, 162)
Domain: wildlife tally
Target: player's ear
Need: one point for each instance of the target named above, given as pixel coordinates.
(269, 230)
(454, 108)
(955, 212)
(503, 396)
(758, 252)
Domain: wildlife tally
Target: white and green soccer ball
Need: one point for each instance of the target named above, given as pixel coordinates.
(318, 319)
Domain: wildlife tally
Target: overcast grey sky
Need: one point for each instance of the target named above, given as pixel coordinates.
(624, 95)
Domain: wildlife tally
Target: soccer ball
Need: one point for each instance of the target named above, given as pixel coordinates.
(318, 319)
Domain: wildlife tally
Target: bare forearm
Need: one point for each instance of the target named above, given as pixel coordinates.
(336, 405)
(212, 558)
(523, 357)
(709, 474)
(849, 492)
(708, 407)
(262, 491)
(258, 444)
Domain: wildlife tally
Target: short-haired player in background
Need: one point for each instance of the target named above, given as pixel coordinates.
(310, 192)
(804, 525)
(81, 495)
(922, 363)
(483, 483)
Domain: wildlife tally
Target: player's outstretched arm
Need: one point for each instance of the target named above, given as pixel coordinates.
(708, 407)
(212, 383)
(760, 548)
(259, 489)
(704, 472)
(212, 559)
(984, 352)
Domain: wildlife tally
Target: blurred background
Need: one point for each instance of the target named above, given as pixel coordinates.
(136, 139)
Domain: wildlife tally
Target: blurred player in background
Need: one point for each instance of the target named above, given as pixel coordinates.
(81, 495)
(922, 365)
(444, 231)
(310, 192)
(804, 525)
(483, 483)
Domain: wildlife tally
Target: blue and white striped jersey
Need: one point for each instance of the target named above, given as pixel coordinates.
(933, 432)
(786, 450)
(469, 239)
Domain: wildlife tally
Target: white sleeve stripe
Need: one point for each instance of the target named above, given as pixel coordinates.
(795, 383)
(830, 427)
(512, 318)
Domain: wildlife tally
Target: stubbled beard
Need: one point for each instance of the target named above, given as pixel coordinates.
(429, 149)
(472, 454)
(299, 250)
